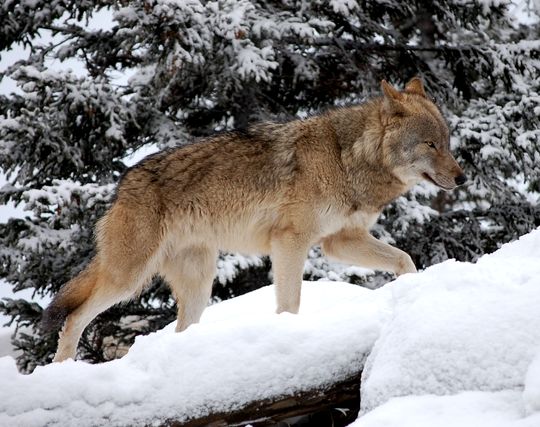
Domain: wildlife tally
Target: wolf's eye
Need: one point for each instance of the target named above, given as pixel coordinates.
(430, 144)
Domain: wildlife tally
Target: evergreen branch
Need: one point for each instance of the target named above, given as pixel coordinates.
(349, 45)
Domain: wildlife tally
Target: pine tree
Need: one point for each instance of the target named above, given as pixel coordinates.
(197, 67)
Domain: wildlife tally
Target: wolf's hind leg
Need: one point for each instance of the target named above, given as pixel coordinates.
(108, 289)
(127, 257)
(190, 274)
(358, 247)
(77, 321)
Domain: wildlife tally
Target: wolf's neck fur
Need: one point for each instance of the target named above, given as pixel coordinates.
(360, 128)
(360, 132)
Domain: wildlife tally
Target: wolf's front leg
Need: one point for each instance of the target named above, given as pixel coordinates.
(288, 253)
(357, 246)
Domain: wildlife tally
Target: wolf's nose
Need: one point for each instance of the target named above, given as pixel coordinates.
(461, 179)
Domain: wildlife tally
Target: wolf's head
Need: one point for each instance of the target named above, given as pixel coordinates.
(416, 141)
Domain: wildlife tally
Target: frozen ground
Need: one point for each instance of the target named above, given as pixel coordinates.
(456, 345)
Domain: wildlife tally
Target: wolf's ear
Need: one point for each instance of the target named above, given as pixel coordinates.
(393, 99)
(390, 91)
(416, 86)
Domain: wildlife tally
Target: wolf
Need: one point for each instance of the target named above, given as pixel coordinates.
(274, 188)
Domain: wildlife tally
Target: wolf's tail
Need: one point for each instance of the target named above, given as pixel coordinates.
(70, 297)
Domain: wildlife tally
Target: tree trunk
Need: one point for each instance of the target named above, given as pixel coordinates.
(338, 403)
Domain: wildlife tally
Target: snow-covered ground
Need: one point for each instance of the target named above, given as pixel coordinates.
(240, 351)
(456, 345)
(462, 346)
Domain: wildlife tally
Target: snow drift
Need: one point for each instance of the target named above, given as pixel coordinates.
(241, 351)
(458, 344)
(460, 326)
(462, 347)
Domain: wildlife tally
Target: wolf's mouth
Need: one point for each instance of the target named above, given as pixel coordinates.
(430, 179)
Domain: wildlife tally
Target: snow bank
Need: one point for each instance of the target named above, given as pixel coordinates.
(531, 393)
(460, 326)
(456, 345)
(466, 409)
(241, 351)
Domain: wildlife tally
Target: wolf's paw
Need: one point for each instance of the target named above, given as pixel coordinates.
(293, 309)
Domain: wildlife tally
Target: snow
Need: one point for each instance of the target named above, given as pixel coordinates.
(213, 366)
(10, 209)
(343, 7)
(455, 345)
(460, 326)
(7, 59)
(228, 266)
(136, 156)
(252, 61)
(462, 347)
(531, 392)
(525, 12)
(467, 409)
